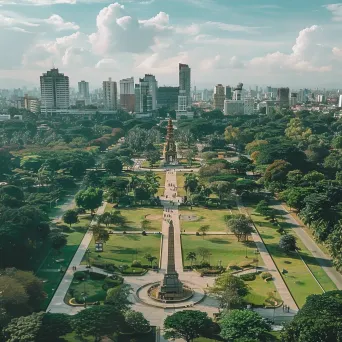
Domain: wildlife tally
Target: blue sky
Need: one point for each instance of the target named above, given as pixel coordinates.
(294, 43)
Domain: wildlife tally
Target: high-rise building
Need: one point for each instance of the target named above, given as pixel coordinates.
(233, 107)
(110, 95)
(238, 92)
(143, 97)
(283, 97)
(340, 101)
(228, 93)
(153, 88)
(219, 96)
(83, 91)
(205, 95)
(185, 80)
(293, 99)
(320, 98)
(248, 106)
(127, 94)
(167, 97)
(54, 88)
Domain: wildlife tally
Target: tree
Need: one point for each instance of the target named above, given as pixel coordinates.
(113, 165)
(100, 234)
(150, 258)
(136, 321)
(58, 241)
(24, 329)
(118, 297)
(203, 252)
(191, 256)
(70, 217)
(294, 196)
(320, 319)
(229, 290)
(89, 199)
(264, 209)
(153, 156)
(238, 324)
(97, 321)
(187, 324)
(53, 327)
(277, 171)
(288, 243)
(203, 229)
(191, 183)
(231, 135)
(240, 225)
(221, 188)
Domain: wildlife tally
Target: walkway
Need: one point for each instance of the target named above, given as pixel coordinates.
(270, 265)
(323, 260)
(57, 304)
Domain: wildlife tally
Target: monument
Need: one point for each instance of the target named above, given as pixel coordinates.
(171, 287)
(170, 151)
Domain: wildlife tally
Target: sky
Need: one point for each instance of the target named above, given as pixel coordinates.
(295, 43)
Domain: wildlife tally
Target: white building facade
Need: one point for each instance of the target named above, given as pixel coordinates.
(110, 95)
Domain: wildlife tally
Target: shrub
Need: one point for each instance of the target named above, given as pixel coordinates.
(80, 275)
(136, 263)
(248, 277)
(266, 275)
(97, 276)
(110, 283)
(204, 264)
(245, 264)
(98, 264)
(233, 266)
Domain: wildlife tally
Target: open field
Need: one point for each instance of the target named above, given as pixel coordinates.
(222, 247)
(135, 215)
(123, 249)
(202, 216)
(180, 184)
(49, 270)
(298, 278)
(161, 182)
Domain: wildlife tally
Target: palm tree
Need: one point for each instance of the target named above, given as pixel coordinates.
(150, 258)
(191, 256)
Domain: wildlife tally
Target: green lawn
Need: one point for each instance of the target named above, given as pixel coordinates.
(161, 182)
(212, 217)
(48, 271)
(180, 184)
(299, 280)
(135, 215)
(259, 290)
(222, 247)
(123, 249)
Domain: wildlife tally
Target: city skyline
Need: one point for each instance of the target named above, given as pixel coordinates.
(222, 41)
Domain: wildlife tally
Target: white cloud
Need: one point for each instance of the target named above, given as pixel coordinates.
(37, 2)
(307, 54)
(6, 20)
(119, 32)
(231, 27)
(337, 52)
(336, 11)
(160, 21)
(59, 23)
(107, 64)
(221, 63)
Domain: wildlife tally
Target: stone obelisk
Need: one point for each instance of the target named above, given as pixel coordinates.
(171, 287)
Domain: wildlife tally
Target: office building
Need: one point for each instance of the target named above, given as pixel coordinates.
(127, 94)
(167, 97)
(182, 110)
(143, 97)
(293, 99)
(238, 92)
(248, 106)
(228, 93)
(54, 89)
(110, 95)
(153, 87)
(205, 95)
(340, 101)
(283, 97)
(185, 81)
(219, 97)
(83, 92)
(321, 98)
(233, 107)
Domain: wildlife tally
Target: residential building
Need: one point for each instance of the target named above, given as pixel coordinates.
(283, 97)
(110, 95)
(127, 94)
(153, 87)
(219, 97)
(167, 97)
(182, 110)
(248, 106)
(83, 92)
(234, 107)
(54, 88)
(228, 93)
(185, 80)
(321, 98)
(293, 99)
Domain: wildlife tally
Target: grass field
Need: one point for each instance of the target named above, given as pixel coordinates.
(123, 249)
(49, 269)
(212, 217)
(161, 182)
(299, 280)
(135, 215)
(180, 184)
(222, 247)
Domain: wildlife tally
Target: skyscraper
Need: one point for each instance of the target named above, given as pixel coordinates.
(153, 87)
(127, 94)
(228, 93)
(110, 94)
(143, 97)
(167, 97)
(54, 88)
(283, 97)
(340, 101)
(219, 97)
(185, 81)
(83, 91)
